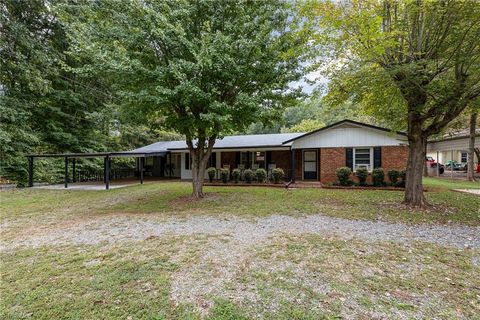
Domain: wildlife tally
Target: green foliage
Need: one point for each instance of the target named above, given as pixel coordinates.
(393, 176)
(261, 175)
(200, 69)
(378, 177)
(224, 174)
(277, 175)
(211, 173)
(225, 310)
(306, 125)
(236, 173)
(403, 179)
(248, 174)
(343, 176)
(362, 174)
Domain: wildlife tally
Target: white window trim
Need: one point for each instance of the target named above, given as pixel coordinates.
(370, 166)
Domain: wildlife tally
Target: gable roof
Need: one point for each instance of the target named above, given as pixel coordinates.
(252, 140)
(346, 121)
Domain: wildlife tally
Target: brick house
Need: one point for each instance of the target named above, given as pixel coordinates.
(312, 156)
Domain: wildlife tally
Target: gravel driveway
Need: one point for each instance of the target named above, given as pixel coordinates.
(126, 228)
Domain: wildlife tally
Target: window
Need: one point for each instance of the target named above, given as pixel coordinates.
(464, 157)
(244, 159)
(259, 159)
(362, 158)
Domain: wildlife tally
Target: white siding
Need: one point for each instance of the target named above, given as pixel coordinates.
(349, 137)
(187, 174)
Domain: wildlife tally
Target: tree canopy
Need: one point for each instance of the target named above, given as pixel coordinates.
(414, 63)
(200, 69)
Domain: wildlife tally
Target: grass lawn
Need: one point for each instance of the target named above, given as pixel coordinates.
(288, 276)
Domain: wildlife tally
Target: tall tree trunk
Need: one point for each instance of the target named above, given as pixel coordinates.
(199, 156)
(416, 163)
(471, 148)
(198, 173)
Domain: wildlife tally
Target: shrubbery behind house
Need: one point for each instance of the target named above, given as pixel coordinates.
(261, 175)
(236, 173)
(224, 173)
(277, 175)
(362, 174)
(248, 174)
(211, 173)
(343, 175)
(378, 177)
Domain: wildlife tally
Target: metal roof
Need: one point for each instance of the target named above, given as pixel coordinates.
(228, 142)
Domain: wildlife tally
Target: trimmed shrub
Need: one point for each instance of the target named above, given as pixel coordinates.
(277, 175)
(224, 173)
(403, 177)
(343, 175)
(236, 175)
(393, 176)
(362, 174)
(211, 173)
(378, 177)
(248, 174)
(261, 175)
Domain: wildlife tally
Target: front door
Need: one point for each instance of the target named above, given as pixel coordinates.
(310, 165)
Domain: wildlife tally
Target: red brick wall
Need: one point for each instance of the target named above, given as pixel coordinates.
(282, 159)
(228, 158)
(330, 160)
(394, 158)
(298, 164)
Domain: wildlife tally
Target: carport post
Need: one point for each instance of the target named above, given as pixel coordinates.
(74, 172)
(451, 165)
(438, 165)
(30, 171)
(142, 162)
(66, 172)
(292, 170)
(107, 172)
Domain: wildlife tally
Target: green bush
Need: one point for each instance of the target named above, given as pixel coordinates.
(261, 175)
(236, 175)
(211, 173)
(378, 177)
(277, 175)
(403, 177)
(343, 175)
(362, 174)
(393, 176)
(224, 173)
(248, 174)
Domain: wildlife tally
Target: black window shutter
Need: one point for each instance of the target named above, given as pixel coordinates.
(269, 158)
(349, 158)
(377, 157)
(213, 160)
(187, 161)
(237, 158)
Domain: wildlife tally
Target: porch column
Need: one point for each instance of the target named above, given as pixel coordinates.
(292, 162)
(107, 172)
(142, 162)
(74, 172)
(30, 171)
(66, 172)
